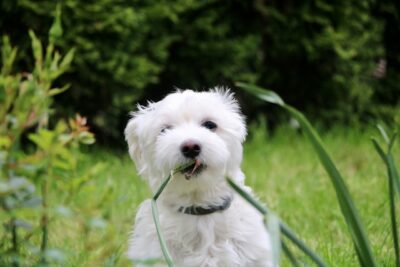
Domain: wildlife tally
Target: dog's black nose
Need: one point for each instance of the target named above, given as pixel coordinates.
(190, 149)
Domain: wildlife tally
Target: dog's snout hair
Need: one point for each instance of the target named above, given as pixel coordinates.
(191, 148)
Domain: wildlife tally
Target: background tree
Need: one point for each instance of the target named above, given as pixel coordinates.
(338, 61)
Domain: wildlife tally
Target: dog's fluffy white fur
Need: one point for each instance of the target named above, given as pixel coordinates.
(155, 134)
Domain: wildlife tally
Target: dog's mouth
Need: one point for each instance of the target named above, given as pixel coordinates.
(194, 169)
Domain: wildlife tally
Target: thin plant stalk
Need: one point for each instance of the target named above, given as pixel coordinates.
(271, 221)
(45, 213)
(395, 234)
(13, 224)
(393, 180)
(164, 249)
(154, 209)
(286, 231)
(44, 221)
(290, 255)
(14, 239)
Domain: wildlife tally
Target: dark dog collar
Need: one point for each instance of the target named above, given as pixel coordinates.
(199, 210)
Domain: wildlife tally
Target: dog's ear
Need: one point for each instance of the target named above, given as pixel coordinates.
(133, 132)
(132, 138)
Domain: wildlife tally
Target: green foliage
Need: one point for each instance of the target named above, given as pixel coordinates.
(121, 49)
(345, 200)
(25, 109)
(393, 185)
(294, 186)
(320, 56)
(286, 231)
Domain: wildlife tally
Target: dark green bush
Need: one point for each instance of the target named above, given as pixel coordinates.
(320, 56)
(121, 48)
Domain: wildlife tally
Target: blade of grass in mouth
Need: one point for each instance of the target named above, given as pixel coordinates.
(154, 209)
(165, 182)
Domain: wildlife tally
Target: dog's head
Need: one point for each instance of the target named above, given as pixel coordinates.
(206, 127)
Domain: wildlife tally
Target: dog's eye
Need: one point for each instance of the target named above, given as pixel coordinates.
(165, 128)
(209, 125)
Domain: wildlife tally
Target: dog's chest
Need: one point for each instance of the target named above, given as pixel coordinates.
(195, 239)
(198, 232)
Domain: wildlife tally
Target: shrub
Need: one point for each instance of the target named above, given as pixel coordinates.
(30, 167)
(322, 57)
(121, 49)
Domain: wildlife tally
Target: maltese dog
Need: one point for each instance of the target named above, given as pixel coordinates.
(204, 222)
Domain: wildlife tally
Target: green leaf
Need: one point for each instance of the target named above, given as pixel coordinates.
(48, 56)
(8, 55)
(395, 235)
(66, 61)
(391, 142)
(56, 31)
(389, 161)
(379, 149)
(383, 133)
(290, 255)
(86, 138)
(393, 185)
(347, 206)
(165, 182)
(56, 91)
(37, 49)
(43, 138)
(266, 95)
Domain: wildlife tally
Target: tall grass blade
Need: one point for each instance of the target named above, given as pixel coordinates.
(290, 255)
(163, 245)
(392, 140)
(393, 184)
(394, 174)
(347, 206)
(383, 133)
(166, 180)
(162, 187)
(256, 204)
(286, 231)
(379, 149)
(395, 234)
(154, 211)
(274, 231)
(389, 161)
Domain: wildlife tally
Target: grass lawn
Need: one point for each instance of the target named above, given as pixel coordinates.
(283, 171)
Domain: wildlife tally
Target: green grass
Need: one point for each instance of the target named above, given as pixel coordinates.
(283, 171)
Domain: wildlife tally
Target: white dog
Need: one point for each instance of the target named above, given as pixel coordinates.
(203, 221)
